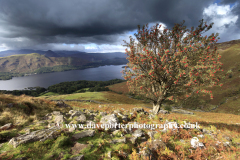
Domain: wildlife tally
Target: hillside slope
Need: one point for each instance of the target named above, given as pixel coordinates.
(24, 64)
(27, 63)
(226, 98)
(28, 131)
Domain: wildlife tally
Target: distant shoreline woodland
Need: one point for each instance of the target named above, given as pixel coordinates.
(66, 88)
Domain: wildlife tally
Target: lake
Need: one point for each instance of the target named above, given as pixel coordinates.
(102, 73)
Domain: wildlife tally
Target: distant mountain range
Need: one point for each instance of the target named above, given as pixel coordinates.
(26, 61)
(49, 53)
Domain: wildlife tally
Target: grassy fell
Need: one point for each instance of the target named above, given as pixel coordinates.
(28, 110)
(225, 97)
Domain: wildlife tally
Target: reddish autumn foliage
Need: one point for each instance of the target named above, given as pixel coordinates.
(173, 62)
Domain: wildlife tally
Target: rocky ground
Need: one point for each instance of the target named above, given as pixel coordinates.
(141, 143)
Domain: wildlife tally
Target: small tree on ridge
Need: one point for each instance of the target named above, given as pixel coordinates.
(169, 64)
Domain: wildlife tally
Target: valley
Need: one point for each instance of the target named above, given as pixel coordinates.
(35, 63)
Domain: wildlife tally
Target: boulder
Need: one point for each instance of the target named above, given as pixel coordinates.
(6, 126)
(226, 144)
(157, 143)
(61, 104)
(116, 132)
(126, 130)
(110, 120)
(201, 136)
(91, 116)
(138, 133)
(195, 143)
(109, 154)
(138, 110)
(49, 114)
(81, 119)
(39, 135)
(86, 133)
(143, 139)
(146, 113)
(50, 125)
(47, 118)
(151, 116)
(205, 131)
(123, 154)
(164, 112)
(116, 111)
(56, 113)
(59, 119)
(87, 111)
(125, 118)
(120, 114)
(78, 147)
(76, 114)
(103, 113)
(71, 111)
(151, 134)
(119, 140)
(147, 152)
(133, 139)
(71, 129)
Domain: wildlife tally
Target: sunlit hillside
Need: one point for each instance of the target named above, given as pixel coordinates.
(225, 97)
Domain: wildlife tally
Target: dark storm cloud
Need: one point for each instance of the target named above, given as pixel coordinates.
(226, 25)
(228, 1)
(39, 22)
(235, 11)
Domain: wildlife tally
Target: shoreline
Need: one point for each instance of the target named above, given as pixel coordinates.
(50, 71)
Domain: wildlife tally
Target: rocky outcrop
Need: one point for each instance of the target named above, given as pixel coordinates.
(119, 140)
(87, 133)
(40, 135)
(195, 143)
(110, 121)
(61, 104)
(87, 117)
(6, 126)
(78, 147)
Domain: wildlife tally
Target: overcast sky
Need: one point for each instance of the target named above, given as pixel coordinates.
(102, 25)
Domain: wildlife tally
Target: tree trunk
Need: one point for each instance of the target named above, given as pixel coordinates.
(156, 107)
